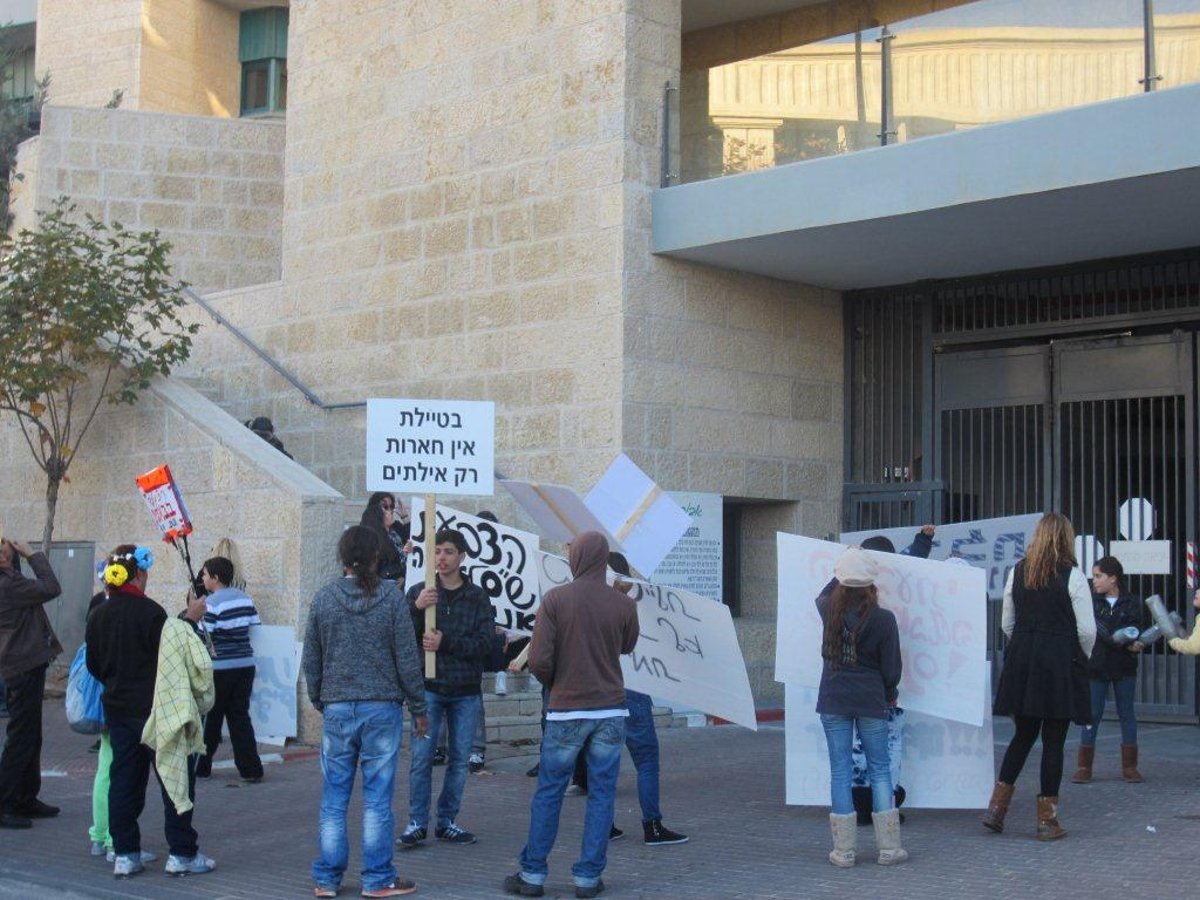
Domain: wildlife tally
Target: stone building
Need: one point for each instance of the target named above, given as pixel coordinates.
(480, 199)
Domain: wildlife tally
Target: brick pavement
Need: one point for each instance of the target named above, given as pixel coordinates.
(722, 785)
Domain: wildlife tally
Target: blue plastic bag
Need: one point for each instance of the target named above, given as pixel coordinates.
(85, 712)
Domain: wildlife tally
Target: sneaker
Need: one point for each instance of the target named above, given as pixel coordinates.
(658, 836)
(323, 891)
(515, 884)
(182, 865)
(439, 756)
(147, 856)
(614, 832)
(397, 888)
(475, 763)
(98, 849)
(452, 834)
(36, 809)
(412, 835)
(533, 770)
(252, 779)
(127, 865)
(594, 891)
(501, 684)
(575, 790)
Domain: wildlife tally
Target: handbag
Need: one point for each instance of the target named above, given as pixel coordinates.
(85, 711)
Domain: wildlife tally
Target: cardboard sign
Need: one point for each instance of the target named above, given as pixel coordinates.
(995, 545)
(276, 670)
(696, 562)
(557, 510)
(165, 503)
(501, 560)
(943, 764)
(687, 652)
(431, 446)
(645, 521)
(940, 609)
(1142, 557)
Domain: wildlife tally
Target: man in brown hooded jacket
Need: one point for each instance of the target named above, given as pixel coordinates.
(581, 631)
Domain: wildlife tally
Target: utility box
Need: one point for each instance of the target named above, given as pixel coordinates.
(74, 564)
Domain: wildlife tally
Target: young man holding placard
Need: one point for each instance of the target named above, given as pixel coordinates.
(462, 640)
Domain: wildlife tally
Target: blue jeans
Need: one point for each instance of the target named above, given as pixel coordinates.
(369, 732)
(461, 715)
(642, 742)
(561, 743)
(1123, 690)
(839, 735)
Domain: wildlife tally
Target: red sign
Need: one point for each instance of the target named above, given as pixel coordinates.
(165, 503)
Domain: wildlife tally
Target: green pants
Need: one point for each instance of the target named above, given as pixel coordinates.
(99, 830)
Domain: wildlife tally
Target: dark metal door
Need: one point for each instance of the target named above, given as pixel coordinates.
(1124, 430)
(1080, 426)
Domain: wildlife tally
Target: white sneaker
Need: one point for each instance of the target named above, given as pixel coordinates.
(127, 865)
(501, 684)
(182, 865)
(111, 855)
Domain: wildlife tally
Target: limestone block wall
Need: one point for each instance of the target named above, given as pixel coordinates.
(285, 521)
(90, 50)
(732, 382)
(190, 58)
(213, 187)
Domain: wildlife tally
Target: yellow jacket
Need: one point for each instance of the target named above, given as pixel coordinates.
(1190, 645)
(183, 692)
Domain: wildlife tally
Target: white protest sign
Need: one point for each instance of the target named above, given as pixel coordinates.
(696, 562)
(995, 545)
(1142, 557)
(687, 652)
(431, 446)
(558, 510)
(277, 668)
(943, 764)
(645, 521)
(500, 559)
(940, 611)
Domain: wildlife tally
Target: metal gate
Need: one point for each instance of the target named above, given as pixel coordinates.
(1080, 426)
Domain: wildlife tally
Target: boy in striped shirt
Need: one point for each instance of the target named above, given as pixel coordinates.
(228, 616)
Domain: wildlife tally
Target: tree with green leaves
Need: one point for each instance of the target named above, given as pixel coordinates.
(89, 313)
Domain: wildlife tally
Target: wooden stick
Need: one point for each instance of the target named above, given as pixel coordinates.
(636, 516)
(430, 578)
(522, 658)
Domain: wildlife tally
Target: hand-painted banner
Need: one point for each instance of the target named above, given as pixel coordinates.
(943, 765)
(688, 652)
(994, 545)
(276, 671)
(500, 559)
(940, 609)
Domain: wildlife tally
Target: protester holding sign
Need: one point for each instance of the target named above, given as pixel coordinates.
(860, 651)
(462, 641)
(27, 645)
(1114, 663)
(1047, 616)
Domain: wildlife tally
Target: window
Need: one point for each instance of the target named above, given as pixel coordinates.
(262, 49)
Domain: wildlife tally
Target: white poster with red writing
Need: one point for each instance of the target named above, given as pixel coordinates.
(165, 502)
(940, 608)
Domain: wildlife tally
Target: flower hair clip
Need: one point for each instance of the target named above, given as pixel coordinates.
(144, 557)
(115, 574)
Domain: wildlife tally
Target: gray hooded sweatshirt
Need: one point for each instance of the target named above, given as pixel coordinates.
(362, 648)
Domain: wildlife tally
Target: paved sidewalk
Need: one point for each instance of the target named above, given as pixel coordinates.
(724, 786)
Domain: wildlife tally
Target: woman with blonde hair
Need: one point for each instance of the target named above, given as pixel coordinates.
(1051, 628)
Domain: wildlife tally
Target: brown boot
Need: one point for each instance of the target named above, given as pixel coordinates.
(1048, 828)
(998, 807)
(1129, 769)
(1084, 760)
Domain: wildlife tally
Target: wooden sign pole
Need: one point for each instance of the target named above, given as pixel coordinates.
(430, 578)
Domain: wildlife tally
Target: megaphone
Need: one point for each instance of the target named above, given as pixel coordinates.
(1169, 625)
(1127, 635)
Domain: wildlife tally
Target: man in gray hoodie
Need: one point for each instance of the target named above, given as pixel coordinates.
(360, 665)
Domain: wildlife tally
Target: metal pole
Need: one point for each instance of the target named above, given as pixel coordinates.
(885, 85)
(667, 176)
(1149, 80)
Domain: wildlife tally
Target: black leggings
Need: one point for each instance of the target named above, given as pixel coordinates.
(1054, 737)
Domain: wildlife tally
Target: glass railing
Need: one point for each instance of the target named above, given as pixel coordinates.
(975, 64)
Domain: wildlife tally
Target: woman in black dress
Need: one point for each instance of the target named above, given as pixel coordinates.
(1051, 628)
